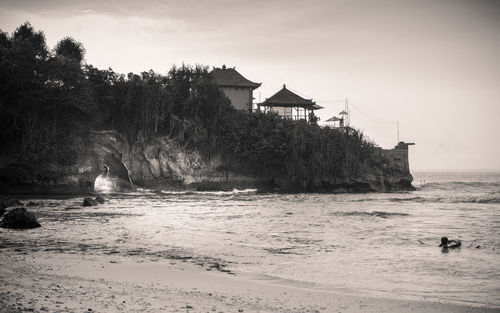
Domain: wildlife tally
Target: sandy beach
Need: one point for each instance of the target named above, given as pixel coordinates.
(56, 282)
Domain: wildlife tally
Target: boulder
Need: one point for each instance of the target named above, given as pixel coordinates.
(19, 218)
(89, 202)
(32, 203)
(100, 199)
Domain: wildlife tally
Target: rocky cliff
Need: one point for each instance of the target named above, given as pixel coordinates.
(386, 170)
(163, 164)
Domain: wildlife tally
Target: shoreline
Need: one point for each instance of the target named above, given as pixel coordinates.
(61, 282)
(28, 195)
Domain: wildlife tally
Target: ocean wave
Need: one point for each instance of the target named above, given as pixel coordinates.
(485, 200)
(480, 199)
(380, 214)
(215, 193)
(414, 199)
(283, 250)
(184, 192)
(249, 190)
(458, 199)
(387, 214)
(395, 199)
(457, 184)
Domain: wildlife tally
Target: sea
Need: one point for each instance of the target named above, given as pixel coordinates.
(373, 244)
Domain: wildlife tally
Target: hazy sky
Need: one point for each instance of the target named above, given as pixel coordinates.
(432, 65)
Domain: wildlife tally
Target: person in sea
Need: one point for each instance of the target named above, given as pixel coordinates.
(449, 244)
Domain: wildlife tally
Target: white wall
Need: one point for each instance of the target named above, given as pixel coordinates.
(239, 96)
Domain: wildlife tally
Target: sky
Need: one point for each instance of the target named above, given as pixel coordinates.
(433, 66)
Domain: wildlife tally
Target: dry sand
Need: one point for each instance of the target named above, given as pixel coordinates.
(62, 282)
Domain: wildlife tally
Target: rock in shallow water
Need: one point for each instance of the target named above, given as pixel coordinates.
(100, 199)
(19, 218)
(89, 202)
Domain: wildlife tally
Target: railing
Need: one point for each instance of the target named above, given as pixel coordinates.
(287, 116)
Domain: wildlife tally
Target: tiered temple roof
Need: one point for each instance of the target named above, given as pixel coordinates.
(287, 98)
(229, 77)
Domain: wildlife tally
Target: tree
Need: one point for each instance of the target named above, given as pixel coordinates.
(27, 36)
(70, 49)
(23, 68)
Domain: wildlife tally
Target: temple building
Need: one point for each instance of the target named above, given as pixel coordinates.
(290, 105)
(236, 87)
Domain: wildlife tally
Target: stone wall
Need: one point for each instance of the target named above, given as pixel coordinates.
(397, 158)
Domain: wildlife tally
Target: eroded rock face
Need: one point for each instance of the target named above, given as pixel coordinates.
(384, 171)
(18, 175)
(162, 164)
(10, 203)
(76, 177)
(19, 218)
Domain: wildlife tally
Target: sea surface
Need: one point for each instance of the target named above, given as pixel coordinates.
(376, 244)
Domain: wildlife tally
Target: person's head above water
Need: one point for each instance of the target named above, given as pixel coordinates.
(444, 242)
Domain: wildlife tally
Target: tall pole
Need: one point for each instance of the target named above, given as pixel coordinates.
(397, 123)
(347, 111)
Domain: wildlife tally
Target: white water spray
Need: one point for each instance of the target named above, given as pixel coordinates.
(103, 183)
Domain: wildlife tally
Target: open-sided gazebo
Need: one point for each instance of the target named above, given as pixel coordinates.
(290, 105)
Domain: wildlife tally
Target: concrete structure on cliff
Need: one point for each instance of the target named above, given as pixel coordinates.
(397, 160)
(290, 105)
(236, 87)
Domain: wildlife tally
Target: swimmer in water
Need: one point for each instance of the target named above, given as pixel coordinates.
(449, 244)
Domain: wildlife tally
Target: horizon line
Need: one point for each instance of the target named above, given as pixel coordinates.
(455, 171)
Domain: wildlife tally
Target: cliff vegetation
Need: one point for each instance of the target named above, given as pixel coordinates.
(51, 100)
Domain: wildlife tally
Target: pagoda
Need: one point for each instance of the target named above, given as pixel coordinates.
(290, 105)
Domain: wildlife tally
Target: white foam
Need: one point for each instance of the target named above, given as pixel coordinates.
(104, 184)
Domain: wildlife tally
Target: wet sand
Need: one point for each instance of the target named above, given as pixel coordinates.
(60, 282)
